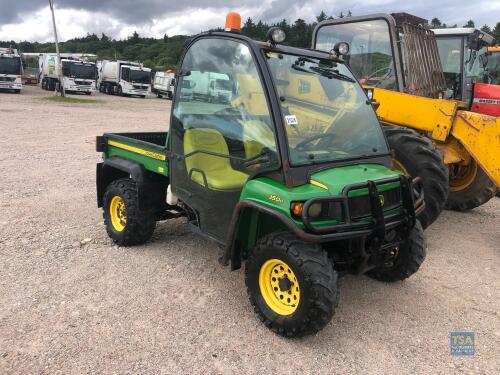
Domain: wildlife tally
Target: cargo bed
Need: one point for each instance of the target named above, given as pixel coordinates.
(147, 149)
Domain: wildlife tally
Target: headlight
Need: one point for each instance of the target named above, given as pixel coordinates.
(315, 210)
(341, 48)
(275, 35)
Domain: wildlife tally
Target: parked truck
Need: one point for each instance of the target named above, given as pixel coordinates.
(78, 75)
(164, 84)
(124, 78)
(215, 87)
(11, 70)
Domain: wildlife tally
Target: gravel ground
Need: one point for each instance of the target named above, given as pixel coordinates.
(72, 302)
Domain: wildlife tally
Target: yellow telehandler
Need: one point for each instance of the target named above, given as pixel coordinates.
(454, 150)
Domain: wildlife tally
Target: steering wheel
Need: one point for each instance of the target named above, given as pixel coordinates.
(389, 70)
(301, 145)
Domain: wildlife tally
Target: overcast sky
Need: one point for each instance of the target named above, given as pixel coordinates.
(30, 19)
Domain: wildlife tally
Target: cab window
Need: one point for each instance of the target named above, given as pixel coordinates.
(222, 113)
(370, 57)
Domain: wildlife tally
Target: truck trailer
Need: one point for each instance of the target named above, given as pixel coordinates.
(124, 78)
(11, 70)
(78, 75)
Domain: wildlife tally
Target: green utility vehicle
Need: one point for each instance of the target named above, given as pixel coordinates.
(292, 176)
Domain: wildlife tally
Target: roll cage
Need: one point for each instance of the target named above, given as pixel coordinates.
(284, 172)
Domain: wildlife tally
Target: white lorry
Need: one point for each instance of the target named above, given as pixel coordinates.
(11, 70)
(78, 76)
(164, 84)
(212, 87)
(124, 78)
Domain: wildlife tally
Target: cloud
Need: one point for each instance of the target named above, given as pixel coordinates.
(30, 19)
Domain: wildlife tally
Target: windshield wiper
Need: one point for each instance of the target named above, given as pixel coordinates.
(331, 73)
(328, 73)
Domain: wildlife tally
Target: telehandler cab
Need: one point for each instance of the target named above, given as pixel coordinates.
(456, 152)
(291, 175)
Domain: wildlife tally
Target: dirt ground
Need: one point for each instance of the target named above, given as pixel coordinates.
(72, 302)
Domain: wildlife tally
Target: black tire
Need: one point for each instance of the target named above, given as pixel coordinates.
(420, 158)
(17, 91)
(142, 96)
(119, 90)
(139, 226)
(158, 95)
(480, 190)
(109, 89)
(318, 282)
(44, 84)
(409, 258)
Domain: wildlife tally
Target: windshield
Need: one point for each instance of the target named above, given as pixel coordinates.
(140, 76)
(223, 84)
(370, 57)
(450, 53)
(79, 70)
(484, 67)
(10, 65)
(327, 114)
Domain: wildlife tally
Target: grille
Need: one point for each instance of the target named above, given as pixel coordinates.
(360, 206)
(8, 79)
(83, 83)
(140, 87)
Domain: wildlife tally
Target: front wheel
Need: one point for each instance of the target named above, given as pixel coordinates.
(125, 224)
(291, 284)
(119, 91)
(405, 259)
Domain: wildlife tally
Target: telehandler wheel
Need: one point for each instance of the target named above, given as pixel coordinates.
(291, 284)
(407, 258)
(125, 224)
(417, 156)
(470, 187)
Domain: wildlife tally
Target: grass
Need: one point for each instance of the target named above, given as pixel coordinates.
(68, 100)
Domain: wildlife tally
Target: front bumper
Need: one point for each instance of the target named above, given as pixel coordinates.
(10, 85)
(377, 222)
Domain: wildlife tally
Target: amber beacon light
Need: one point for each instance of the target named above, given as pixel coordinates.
(233, 22)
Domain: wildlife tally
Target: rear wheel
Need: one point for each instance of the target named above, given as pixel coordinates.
(291, 284)
(125, 224)
(470, 187)
(416, 156)
(406, 259)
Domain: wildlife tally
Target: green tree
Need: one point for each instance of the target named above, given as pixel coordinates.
(486, 29)
(470, 23)
(436, 23)
(496, 32)
(322, 16)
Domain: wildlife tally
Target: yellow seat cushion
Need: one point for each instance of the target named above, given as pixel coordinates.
(217, 169)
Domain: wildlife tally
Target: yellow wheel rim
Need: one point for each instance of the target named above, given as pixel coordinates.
(400, 167)
(117, 213)
(461, 176)
(279, 287)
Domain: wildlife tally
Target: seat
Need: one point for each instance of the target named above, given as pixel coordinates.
(256, 136)
(216, 169)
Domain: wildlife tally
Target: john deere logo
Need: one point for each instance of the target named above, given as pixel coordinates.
(382, 200)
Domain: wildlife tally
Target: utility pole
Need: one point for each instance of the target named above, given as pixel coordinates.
(59, 62)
